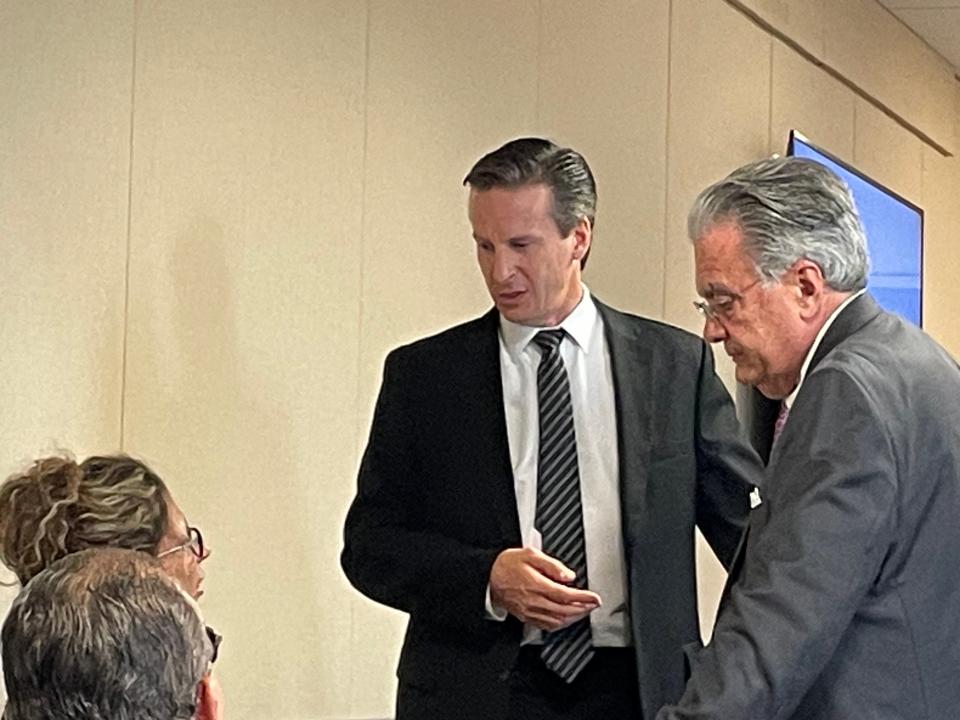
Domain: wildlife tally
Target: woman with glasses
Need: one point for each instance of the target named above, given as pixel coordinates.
(58, 506)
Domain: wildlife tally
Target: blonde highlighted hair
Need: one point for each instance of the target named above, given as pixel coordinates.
(57, 507)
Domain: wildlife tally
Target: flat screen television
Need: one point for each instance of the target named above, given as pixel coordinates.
(894, 228)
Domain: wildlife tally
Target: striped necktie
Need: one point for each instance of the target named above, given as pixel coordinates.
(559, 516)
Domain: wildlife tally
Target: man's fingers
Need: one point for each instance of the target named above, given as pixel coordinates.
(553, 621)
(521, 582)
(572, 596)
(546, 621)
(559, 573)
(561, 611)
(551, 567)
(548, 615)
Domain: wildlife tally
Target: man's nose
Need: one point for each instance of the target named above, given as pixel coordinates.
(502, 266)
(713, 330)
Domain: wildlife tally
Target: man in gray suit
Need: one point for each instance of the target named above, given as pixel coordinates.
(844, 599)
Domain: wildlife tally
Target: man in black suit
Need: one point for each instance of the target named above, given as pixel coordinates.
(533, 477)
(844, 601)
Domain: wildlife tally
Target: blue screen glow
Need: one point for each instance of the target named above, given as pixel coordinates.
(894, 231)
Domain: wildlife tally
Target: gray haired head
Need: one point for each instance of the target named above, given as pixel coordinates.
(788, 209)
(530, 161)
(103, 634)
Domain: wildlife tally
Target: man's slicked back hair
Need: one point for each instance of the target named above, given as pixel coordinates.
(532, 161)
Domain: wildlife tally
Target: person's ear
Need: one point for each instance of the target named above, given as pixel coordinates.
(582, 237)
(810, 284)
(209, 699)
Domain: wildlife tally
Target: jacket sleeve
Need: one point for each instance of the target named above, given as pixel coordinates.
(390, 552)
(728, 468)
(816, 546)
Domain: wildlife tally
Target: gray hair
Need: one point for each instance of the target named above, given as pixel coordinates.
(531, 161)
(789, 208)
(103, 634)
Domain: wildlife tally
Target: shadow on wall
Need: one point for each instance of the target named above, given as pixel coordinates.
(224, 434)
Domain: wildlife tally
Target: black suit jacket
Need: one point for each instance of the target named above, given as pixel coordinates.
(435, 505)
(845, 601)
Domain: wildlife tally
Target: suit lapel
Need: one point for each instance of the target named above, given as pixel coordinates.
(633, 393)
(482, 352)
(853, 317)
(737, 566)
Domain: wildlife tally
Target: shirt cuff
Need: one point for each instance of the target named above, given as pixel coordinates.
(492, 612)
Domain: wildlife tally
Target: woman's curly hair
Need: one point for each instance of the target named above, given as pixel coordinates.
(57, 507)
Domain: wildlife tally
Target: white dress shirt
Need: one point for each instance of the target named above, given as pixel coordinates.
(587, 359)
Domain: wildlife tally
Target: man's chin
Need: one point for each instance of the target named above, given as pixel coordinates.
(769, 393)
(516, 315)
(774, 390)
(770, 390)
(746, 376)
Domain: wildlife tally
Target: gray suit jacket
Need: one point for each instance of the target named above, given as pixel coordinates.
(435, 505)
(844, 601)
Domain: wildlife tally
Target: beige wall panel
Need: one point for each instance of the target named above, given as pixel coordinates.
(930, 96)
(916, 86)
(611, 104)
(718, 119)
(941, 248)
(448, 82)
(242, 350)
(800, 20)
(806, 98)
(887, 152)
(65, 74)
(846, 24)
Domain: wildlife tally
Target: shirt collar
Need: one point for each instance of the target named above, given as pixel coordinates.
(788, 401)
(580, 325)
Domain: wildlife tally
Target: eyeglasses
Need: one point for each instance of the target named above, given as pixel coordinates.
(195, 543)
(721, 306)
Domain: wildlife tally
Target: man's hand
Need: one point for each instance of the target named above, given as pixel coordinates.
(534, 587)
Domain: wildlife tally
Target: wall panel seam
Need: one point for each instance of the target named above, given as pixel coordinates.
(126, 269)
(537, 107)
(666, 164)
(770, 101)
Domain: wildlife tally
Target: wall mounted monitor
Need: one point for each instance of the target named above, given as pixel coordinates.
(894, 228)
